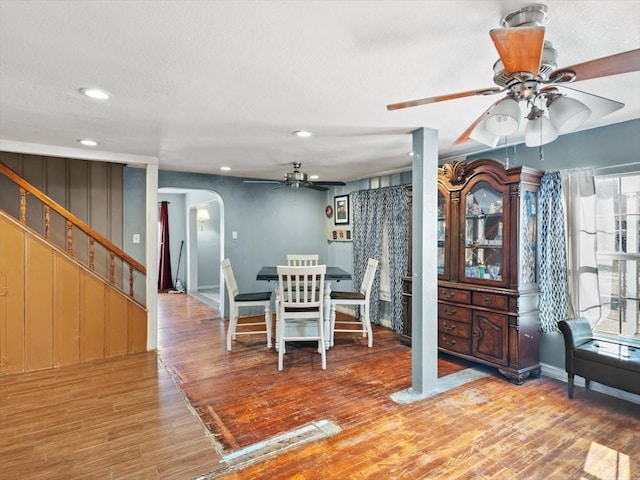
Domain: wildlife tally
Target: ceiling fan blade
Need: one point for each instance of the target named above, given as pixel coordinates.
(520, 48)
(603, 67)
(261, 181)
(443, 98)
(331, 184)
(316, 187)
(466, 135)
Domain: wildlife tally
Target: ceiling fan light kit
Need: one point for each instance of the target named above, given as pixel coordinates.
(539, 129)
(504, 118)
(567, 114)
(527, 72)
(481, 135)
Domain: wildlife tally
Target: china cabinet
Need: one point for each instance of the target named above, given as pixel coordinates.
(487, 265)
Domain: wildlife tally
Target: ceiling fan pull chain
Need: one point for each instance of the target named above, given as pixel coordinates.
(506, 152)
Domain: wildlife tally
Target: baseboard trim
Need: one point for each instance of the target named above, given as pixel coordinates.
(559, 374)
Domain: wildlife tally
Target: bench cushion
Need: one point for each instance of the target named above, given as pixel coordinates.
(609, 353)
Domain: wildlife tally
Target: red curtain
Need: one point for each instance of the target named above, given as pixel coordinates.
(164, 256)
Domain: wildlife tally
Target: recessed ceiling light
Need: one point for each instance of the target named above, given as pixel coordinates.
(95, 93)
(314, 177)
(87, 142)
(226, 169)
(302, 133)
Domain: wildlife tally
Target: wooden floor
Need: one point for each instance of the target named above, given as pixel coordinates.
(117, 418)
(125, 418)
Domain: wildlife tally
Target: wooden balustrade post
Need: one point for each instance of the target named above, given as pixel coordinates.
(69, 238)
(112, 268)
(131, 281)
(92, 254)
(23, 206)
(47, 223)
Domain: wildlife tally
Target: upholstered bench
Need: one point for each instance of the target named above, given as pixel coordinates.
(611, 363)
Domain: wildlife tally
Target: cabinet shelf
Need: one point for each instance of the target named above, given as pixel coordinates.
(484, 245)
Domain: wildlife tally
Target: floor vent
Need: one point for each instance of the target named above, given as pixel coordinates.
(256, 452)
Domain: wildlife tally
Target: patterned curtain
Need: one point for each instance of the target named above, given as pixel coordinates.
(553, 253)
(580, 197)
(370, 210)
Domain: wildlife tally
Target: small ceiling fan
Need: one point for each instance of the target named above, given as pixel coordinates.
(298, 179)
(527, 72)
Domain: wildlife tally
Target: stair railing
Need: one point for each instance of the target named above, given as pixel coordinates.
(72, 221)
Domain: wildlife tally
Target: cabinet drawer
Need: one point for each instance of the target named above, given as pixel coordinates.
(490, 300)
(451, 327)
(458, 296)
(453, 312)
(455, 344)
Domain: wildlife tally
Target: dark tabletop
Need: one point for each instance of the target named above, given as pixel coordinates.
(333, 273)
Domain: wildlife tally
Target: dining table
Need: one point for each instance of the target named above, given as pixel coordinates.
(333, 274)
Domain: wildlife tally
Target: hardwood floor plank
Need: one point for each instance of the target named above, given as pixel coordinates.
(474, 431)
(125, 418)
(105, 419)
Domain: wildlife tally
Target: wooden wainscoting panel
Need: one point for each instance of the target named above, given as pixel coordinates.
(115, 232)
(12, 333)
(137, 326)
(116, 327)
(99, 212)
(92, 317)
(39, 304)
(78, 193)
(33, 172)
(56, 188)
(9, 191)
(67, 311)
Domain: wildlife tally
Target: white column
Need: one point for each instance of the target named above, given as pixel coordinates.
(151, 255)
(424, 306)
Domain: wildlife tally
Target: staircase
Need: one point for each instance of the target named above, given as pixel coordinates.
(56, 309)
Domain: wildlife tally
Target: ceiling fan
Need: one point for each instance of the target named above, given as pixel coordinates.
(527, 72)
(298, 179)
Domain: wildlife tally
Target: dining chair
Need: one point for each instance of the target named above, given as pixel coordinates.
(360, 298)
(301, 315)
(238, 300)
(296, 260)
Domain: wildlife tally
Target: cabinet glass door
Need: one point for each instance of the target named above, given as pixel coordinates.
(483, 240)
(442, 233)
(528, 243)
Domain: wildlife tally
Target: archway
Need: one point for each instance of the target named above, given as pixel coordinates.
(199, 269)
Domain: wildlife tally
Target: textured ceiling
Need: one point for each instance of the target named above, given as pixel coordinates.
(205, 84)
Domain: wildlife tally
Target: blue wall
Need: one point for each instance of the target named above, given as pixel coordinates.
(271, 223)
(599, 148)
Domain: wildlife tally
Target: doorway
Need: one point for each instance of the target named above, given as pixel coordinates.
(196, 221)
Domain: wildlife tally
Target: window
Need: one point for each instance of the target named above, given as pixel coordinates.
(618, 254)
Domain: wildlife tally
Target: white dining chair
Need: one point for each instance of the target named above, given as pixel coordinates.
(360, 299)
(239, 300)
(301, 315)
(297, 260)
